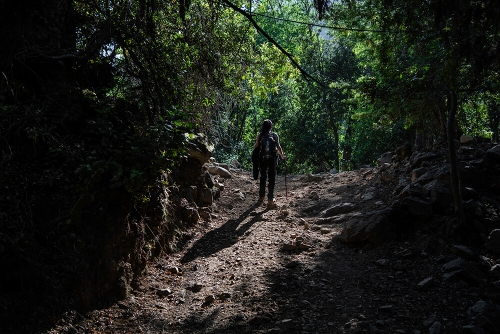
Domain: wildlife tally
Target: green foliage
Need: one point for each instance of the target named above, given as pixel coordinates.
(392, 70)
(370, 138)
(413, 53)
(474, 118)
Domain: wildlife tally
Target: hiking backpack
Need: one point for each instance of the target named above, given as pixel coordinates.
(267, 146)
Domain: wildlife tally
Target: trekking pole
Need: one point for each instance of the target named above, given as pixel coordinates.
(286, 189)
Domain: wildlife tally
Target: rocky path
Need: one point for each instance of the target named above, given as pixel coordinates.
(253, 270)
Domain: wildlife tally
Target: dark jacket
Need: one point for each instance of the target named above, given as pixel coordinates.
(255, 162)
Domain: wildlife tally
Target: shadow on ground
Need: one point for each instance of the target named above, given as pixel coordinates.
(223, 237)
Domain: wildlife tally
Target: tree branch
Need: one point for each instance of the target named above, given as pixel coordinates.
(270, 39)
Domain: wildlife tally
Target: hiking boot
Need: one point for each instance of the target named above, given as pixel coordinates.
(271, 204)
(261, 200)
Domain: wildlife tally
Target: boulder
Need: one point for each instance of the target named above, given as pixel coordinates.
(375, 228)
(495, 270)
(419, 158)
(200, 149)
(443, 174)
(478, 163)
(207, 179)
(463, 252)
(467, 151)
(190, 215)
(339, 209)
(426, 178)
(466, 139)
(219, 185)
(413, 189)
(459, 269)
(486, 314)
(217, 170)
(223, 165)
(440, 194)
(453, 265)
(402, 184)
(493, 222)
(493, 241)
(418, 172)
(474, 208)
(315, 208)
(312, 178)
(385, 158)
(206, 195)
(417, 207)
(493, 153)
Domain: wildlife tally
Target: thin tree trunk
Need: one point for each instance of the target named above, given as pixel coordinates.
(347, 154)
(442, 120)
(334, 126)
(242, 125)
(455, 177)
(336, 139)
(494, 118)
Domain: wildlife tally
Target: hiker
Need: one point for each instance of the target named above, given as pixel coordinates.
(268, 145)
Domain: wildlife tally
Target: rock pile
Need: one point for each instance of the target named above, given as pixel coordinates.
(422, 193)
(422, 190)
(197, 200)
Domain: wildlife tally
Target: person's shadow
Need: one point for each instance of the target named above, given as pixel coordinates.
(222, 237)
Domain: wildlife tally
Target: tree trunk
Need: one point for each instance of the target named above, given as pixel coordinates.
(336, 141)
(347, 154)
(442, 120)
(494, 118)
(455, 177)
(242, 125)
(335, 127)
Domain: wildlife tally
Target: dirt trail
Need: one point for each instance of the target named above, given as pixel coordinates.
(234, 275)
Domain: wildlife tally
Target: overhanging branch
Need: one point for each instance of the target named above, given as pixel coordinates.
(270, 39)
